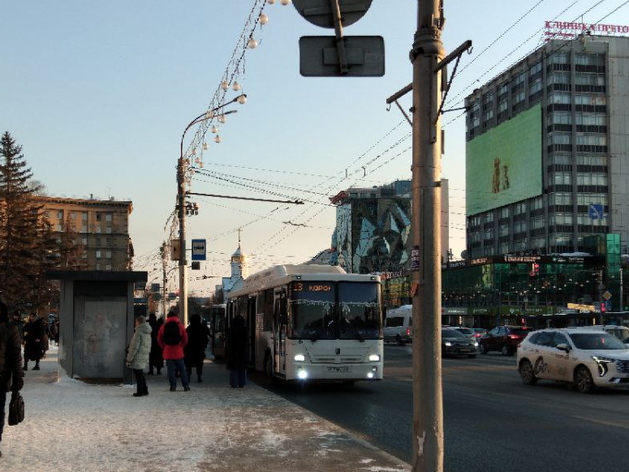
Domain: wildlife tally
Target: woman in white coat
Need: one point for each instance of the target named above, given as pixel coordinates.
(138, 355)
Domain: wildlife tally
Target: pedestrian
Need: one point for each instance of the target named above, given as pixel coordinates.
(54, 331)
(138, 354)
(172, 338)
(16, 319)
(155, 359)
(11, 373)
(194, 353)
(237, 352)
(33, 341)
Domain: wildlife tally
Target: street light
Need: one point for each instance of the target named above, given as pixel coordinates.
(182, 165)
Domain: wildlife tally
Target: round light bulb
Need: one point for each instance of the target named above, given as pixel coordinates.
(201, 164)
(263, 18)
(224, 85)
(217, 139)
(285, 2)
(252, 43)
(222, 119)
(214, 129)
(194, 152)
(242, 99)
(209, 115)
(205, 146)
(270, 2)
(235, 86)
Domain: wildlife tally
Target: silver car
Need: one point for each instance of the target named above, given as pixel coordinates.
(583, 358)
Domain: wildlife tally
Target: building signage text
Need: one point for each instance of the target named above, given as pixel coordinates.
(569, 30)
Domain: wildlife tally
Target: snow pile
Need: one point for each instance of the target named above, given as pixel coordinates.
(72, 426)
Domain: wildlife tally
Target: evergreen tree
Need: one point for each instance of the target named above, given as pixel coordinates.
(70, 250)
(20, 259)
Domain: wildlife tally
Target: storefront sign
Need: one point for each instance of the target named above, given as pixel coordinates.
(570, 30)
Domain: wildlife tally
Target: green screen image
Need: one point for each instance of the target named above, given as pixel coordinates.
(504, 165)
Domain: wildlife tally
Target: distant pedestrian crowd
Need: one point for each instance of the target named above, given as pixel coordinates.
(183, 350)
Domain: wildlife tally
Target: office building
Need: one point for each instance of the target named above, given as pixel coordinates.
(547, 150)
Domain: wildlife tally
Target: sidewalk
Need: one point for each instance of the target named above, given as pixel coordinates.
(72, 426)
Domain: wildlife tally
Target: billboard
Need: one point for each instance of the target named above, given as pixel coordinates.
(504, 165)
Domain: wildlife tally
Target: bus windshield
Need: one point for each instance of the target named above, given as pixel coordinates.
(359, 310)
(312, 308)
(330, 310)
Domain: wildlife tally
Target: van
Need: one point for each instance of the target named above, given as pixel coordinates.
(398, 325)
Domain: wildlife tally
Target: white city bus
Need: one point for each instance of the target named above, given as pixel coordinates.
(312, 322)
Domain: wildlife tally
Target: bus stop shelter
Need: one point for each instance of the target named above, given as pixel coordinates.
(96, 323)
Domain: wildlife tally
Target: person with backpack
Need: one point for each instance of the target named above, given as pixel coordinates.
(172, 338)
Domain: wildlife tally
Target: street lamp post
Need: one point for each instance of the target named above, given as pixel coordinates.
(182, 169)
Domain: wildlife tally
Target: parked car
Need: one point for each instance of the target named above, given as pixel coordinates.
(621, 332)
(455, 343)
(504, 339)
(398, 325)
(479, 333)
(584, 358)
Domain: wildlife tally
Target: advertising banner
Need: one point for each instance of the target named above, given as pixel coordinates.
(504, 165)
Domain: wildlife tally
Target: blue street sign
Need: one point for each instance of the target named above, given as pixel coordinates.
(595, 211)
(198, 249)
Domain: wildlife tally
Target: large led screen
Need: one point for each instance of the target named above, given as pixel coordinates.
(504, 165)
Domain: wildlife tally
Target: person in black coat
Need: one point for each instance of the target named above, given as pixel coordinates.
(155, 358)
(237, 352)
(11, 374)
(194, 352)
(33, 341)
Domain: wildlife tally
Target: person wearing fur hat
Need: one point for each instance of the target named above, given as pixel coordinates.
(138, 355)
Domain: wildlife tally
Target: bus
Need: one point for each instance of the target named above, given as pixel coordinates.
(217, 325)
(312, 322)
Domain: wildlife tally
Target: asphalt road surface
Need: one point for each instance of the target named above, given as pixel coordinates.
(493, 422)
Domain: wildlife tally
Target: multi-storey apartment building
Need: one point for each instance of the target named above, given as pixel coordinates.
(548, 150)
(100, 227)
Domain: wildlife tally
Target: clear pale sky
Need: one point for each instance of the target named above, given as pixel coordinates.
(99, 93)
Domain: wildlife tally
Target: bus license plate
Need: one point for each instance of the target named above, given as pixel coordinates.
(339, 368)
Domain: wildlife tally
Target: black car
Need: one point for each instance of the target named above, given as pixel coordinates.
(454, 343)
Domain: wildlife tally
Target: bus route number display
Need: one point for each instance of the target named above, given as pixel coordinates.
(307, 287)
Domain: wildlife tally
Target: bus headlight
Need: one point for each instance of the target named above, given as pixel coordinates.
(374, 358)
(299, 358)
(302, 374)
(370, 375)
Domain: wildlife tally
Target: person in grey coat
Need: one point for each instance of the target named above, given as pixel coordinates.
(138, 355)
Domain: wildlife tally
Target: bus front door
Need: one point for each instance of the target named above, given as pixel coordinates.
(279, 335)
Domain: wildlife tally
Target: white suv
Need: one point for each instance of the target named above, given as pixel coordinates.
(584, 358)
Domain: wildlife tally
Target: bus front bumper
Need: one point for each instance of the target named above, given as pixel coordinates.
(335, 372)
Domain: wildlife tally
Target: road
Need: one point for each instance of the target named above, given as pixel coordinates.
(492, 421)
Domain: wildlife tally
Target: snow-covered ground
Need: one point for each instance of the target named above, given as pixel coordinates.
(72, 426)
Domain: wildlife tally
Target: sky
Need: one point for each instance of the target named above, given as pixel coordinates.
(99, 94)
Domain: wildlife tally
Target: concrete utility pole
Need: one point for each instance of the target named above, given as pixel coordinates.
(426, 55)
(183, 263)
